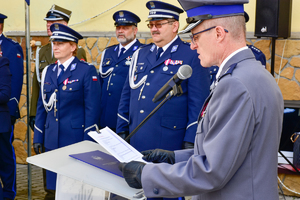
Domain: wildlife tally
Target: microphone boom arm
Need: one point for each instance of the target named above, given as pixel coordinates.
(176, 91)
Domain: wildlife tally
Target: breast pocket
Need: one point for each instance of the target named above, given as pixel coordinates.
(72, 87)
(48, 90)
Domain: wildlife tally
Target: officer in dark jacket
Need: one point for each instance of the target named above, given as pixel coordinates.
(13, 51)
(7, 154)
(115, 65)
(68, 106)
(56, 14)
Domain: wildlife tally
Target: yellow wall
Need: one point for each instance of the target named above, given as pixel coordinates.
(85, 9)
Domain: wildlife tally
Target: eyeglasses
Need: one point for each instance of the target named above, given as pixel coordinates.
(158, 25)
(194, 39)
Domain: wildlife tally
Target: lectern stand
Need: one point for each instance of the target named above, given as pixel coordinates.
(68, 168)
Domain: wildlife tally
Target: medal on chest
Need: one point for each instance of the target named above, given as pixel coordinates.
(128, 60)
(65, 84)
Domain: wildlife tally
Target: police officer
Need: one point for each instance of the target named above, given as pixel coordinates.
(6, 151)
(173, 126)
(68, 106)
(56, 14)
(13, 51)
(115, 65)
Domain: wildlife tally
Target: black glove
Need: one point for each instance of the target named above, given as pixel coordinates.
(159, 156)
(187, 145)
(123, 134)
(37, 147)
(13, 120)
(132, 172)
(32, 122)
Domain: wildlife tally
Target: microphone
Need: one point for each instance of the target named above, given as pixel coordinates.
(184, 72)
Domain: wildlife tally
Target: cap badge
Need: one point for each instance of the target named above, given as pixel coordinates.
(152, 4)
(121, 14)
(56, 27)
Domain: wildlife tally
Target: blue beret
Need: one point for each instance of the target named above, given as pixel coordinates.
(160, 10)
(64, 33)
(199, 10)
(125, 18)
(2, 17)
(58, 13)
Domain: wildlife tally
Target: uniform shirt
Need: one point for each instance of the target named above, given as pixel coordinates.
(176, 121)
(46, 58)
(14, 52)
(113, 73)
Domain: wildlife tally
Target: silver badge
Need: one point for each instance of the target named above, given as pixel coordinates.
(165, 68)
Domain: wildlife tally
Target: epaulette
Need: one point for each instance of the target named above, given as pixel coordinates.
(145, 45)
(12, 41)
(112, 46)
(85, 62)
(254, 48)
(186, 43)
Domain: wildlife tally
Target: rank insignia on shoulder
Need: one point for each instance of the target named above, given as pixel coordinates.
(73, 66)
(174, 48)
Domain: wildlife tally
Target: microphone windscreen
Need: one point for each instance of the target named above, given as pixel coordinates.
(184, 72)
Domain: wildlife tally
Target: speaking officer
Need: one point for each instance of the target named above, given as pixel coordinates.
(45, 57)
(239, 126)
(68, 106)
(7, 153)
(173, 126)
(13, 51)
(115, 65)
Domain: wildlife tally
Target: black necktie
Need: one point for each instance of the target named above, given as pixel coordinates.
(61, 73)
(159, 51)
(122, 51)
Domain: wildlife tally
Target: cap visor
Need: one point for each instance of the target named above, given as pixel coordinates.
(189, 27)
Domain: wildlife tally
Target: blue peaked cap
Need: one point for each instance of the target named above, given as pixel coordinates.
(62, 33)
(125, 18)
(2, 17)
(199, 10)
(160, 10)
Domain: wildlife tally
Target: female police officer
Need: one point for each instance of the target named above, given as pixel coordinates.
(68, 105)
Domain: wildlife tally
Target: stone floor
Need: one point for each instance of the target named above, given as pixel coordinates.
(38, 193)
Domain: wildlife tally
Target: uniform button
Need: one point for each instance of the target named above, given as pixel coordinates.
(143, 97)
(111, 84)
(175, 127)
(141, 111)
(147, 84)
(141, 68)
(114, 74)
(151, 71)
(116, 65)
(44, 90)
(155, 191)
(70, 89)
(82, 126)
(55, 90)
(56, 119)
(109, 94)
(171, 72)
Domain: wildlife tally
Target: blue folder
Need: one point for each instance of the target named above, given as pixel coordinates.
(101, 160)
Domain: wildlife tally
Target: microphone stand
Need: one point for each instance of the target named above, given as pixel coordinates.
(176, 91)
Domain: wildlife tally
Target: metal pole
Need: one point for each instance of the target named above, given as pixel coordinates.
(28, 71)
(273, 56)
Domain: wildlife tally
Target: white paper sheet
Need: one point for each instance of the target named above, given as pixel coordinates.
(116, 146)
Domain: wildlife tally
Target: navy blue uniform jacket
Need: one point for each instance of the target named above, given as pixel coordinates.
(5, 89)
(13, 51)
(112, 84)
(77, 105)
(176, 120)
